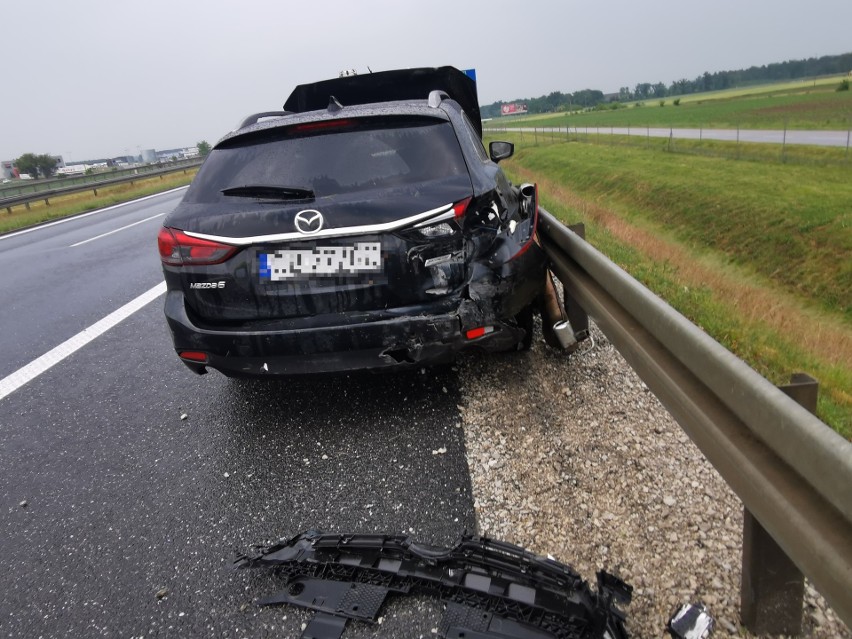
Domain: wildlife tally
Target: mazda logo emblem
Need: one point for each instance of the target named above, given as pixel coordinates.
(309, 222)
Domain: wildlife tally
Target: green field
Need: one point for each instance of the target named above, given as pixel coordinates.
(757, 253)
(788, 105)
(774, 88)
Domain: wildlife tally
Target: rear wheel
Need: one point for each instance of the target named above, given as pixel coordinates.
(525, 320)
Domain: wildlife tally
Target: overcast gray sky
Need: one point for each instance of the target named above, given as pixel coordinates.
(101, 78)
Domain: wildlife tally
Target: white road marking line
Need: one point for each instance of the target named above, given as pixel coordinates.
(97, 237)
(82, 215)
(13, 382)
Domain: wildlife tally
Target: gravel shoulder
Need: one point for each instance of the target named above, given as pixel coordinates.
(575, 457)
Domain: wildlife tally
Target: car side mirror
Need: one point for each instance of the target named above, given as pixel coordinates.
(500, 150)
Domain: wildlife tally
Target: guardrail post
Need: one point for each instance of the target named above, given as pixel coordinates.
(773, 587)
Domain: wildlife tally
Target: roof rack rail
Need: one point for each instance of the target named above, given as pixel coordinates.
(256, 117)
(436, 96)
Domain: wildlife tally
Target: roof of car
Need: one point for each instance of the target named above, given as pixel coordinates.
(272, 120)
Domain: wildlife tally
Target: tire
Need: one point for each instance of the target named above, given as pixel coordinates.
(526, 321)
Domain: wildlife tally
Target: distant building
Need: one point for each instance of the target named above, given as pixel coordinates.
(71, 169)
(177, 154)
(169, 154)
(513, 109)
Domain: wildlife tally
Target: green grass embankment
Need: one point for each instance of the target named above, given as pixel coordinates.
(790, 223)
(757, 254)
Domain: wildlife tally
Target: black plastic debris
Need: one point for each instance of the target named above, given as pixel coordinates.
(490, 589)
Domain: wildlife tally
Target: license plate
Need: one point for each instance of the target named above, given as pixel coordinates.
(321, 261)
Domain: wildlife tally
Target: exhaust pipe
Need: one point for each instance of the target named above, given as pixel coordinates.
(557, 330)
(528, 199)
(527, 189)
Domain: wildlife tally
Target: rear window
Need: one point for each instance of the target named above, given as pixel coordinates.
(358, 156)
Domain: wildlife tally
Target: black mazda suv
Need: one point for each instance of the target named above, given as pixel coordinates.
(363, 227)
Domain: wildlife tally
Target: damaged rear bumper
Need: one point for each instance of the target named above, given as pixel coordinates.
(400, 338)
(490, 589)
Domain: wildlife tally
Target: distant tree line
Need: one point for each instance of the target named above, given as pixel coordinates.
(775, 72)
(778, 71)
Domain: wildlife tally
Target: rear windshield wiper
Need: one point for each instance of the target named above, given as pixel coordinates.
(270, 191)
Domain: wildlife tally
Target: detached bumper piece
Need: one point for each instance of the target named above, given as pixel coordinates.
(491, 589)
(691, 621)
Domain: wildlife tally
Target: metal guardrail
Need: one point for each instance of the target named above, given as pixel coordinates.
(22, 187)
(142, 174)
(791, 471)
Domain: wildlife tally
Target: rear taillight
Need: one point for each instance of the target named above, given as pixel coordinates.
(179, 249)
(460, 208)
(476, 333)
(322, 125)
(533, 228)
(194, 356)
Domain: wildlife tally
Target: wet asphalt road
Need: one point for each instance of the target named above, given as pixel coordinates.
(58, 280)
(124, 499)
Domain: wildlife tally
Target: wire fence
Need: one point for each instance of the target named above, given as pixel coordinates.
(783, 146)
